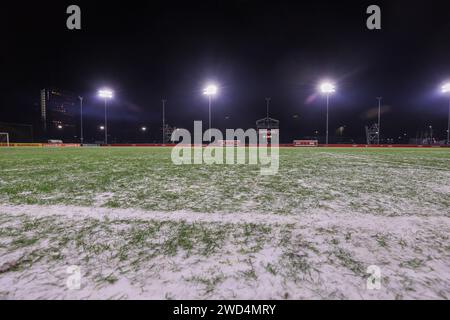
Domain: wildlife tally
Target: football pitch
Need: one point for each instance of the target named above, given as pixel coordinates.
(139, 227)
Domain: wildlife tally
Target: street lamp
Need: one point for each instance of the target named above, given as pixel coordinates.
(164, 120)
(327, 88)
(431, 134)
(81, 118)
(379, 119)
(446, 90)
(102, 128)
(105, 94)
(210, 90)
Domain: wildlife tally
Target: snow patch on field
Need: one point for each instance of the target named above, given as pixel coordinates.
(140, 227)
(137, 254)
(102, 198)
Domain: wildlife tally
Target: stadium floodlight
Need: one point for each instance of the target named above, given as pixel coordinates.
(327, 88)
(144, 129)
(102, 128)
(210, 91)
(446, 87)
(106, 94)
(446, 90)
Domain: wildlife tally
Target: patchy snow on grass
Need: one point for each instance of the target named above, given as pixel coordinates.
(140, 227)
(407, 181)
(136, 254)
(102, 198)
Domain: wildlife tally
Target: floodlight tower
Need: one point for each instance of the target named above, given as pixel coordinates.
(446, 90)
(327, 88)
(210, 91)
(106, 94)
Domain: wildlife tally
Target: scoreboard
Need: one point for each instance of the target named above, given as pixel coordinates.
(306, 143)
(268, 134)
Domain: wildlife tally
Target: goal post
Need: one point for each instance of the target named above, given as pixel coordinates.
(4, 139)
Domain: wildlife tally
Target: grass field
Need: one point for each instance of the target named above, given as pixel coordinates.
(140, 227)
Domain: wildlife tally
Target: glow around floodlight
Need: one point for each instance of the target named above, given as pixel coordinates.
(144, 128)
(105, 93)
(210, 90)
(327, 87)
(446, 88)
(102, 128)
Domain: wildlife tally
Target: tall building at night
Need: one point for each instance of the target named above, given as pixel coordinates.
(59, 115)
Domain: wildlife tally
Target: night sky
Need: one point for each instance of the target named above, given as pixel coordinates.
(148, 50)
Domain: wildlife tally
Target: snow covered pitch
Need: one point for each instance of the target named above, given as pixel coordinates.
(138, 226)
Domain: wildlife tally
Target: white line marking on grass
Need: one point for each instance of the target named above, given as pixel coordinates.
(75, 212)
(313, 218)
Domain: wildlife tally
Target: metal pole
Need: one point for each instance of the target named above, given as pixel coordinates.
(379, 118)
(267, 107)
(431, 134)
(326, 140)
(209, 100)
(106, 126)
(164, 121)
(81, 118)
(448, 125)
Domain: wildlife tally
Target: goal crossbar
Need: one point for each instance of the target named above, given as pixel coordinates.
(4, 134)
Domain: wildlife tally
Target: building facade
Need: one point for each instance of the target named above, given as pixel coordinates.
(59, 115)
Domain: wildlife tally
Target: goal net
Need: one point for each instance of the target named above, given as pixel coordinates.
(4, 139)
